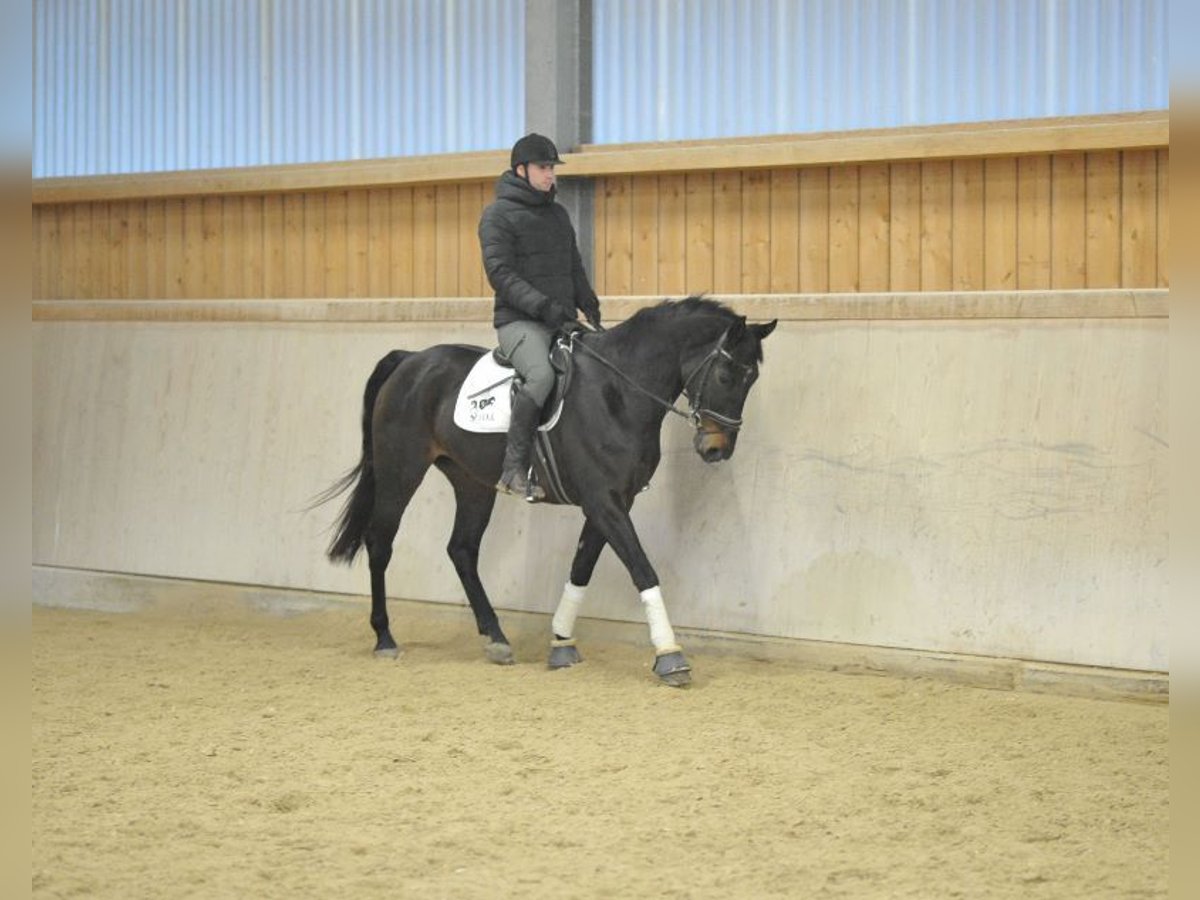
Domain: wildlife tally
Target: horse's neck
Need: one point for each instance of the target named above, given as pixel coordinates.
(657, 353)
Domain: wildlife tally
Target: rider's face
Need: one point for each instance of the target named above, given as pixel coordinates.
(541, 175)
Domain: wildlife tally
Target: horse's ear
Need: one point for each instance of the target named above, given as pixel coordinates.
(763, 330)
(736, 330)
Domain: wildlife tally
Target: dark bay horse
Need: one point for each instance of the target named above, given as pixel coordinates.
(606, 445)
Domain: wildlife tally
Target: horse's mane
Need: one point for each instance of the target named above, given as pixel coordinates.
(688, 306)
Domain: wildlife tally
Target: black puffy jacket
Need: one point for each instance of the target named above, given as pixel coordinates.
(530, 255)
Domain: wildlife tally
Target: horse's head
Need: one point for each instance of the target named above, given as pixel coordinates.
(717, 386)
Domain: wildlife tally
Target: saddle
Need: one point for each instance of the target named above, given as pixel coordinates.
(484, 403)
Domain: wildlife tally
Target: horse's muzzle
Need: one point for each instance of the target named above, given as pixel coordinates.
(714, 443)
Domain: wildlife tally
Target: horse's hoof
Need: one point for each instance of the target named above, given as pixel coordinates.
(672, 668)
(500, 654)
(388, 652)
(563, 654)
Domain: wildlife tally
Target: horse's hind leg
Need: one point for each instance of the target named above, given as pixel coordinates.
(392, 495)
(474, 510)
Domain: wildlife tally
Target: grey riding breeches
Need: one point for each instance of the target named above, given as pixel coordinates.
(527, 344)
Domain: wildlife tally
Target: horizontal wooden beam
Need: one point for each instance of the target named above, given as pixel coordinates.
(1082, 304)
(1080, 133)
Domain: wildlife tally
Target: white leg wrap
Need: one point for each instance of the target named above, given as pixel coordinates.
(563, 622)
(661, 634)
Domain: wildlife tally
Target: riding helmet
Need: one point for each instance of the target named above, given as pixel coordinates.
(535, 148)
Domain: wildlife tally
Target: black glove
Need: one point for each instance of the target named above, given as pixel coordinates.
(555, 316)
(591, 312)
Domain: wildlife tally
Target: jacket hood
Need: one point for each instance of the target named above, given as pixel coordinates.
(512, 187)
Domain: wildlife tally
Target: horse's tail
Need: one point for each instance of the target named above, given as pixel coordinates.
(356, 511)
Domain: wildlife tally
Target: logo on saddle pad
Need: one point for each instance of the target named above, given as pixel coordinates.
(484, 403)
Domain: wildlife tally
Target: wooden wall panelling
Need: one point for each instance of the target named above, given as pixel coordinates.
(235, 248)
(904, 235)
(1000, 223)
(212, 256)
(1139, 218)
(1033, 223)
(173, 267)
(937, 224)
(843, 229)
(156, 249)
(599, 238)
(672, 235)
(619, 234)
(645, 222)
(401, 244)
(785, 231)
(470, 261)
(47, 248)
(379, 247)
(967, 216)
(314, 245)
(698, 192)
(358, 244)
(756, 232)
(272, 246)
(1068, 220)
(727, 232)
(1164, 241)
(874, 227)
(446, 282)
(814, 229)
(294, 245)
(1102, 219)
(424, 241)
(135, 251)
(337, 245)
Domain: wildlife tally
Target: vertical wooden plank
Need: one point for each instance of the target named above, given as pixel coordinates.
(874, 227)
(358, 275)
(600, 238)
(137, 247)
(213, 257)
(1139, 219)
(100, 254)
(814, 230)
(619, 235)
(1102, 242)
(379, 247)
(295, 247)
(966, 230)
(85, 284)
(175, 256)
(402, 243)
(644, 210)
(48, 253)
(698, 192)
(156, 248)
(727, 232)
(843, 228)
(192, 269)
(756, 232)
(315, 248)
(470, 259)
(232, 278)
(785, 231)
(904, 238)
(446, 236)
(1068, 221)
(1000, 224)
(274, 247)
(1033, 222)
(68, 278)
(116, 249)
(424, 238)
(254, 256)
(337, 246)
(1163, 264)
(672, 235)
(937, 225)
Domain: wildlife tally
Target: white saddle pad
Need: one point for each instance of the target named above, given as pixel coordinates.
(484, 403)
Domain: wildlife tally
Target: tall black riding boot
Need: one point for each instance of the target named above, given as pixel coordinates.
(514, 477)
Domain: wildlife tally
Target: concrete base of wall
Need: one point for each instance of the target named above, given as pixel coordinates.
(121, 593)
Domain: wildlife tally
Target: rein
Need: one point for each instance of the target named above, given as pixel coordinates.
(696, 409)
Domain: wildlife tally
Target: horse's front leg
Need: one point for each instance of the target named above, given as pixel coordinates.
(563, 652)
(613, 524)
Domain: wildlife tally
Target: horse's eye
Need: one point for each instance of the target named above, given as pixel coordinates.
(723, 378)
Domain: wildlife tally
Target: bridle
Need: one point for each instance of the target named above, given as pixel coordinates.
(696, 412)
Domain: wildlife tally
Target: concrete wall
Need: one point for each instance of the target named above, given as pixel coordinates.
(991, 486)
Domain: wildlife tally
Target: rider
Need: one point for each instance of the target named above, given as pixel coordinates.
(533, 264)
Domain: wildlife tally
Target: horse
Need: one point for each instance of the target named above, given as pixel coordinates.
(605, 446)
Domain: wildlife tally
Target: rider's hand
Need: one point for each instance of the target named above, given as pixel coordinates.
(555, 316)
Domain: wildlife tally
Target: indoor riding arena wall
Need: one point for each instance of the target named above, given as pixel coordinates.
(963, 450)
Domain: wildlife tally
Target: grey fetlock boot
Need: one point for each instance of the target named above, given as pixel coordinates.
(514, 477)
